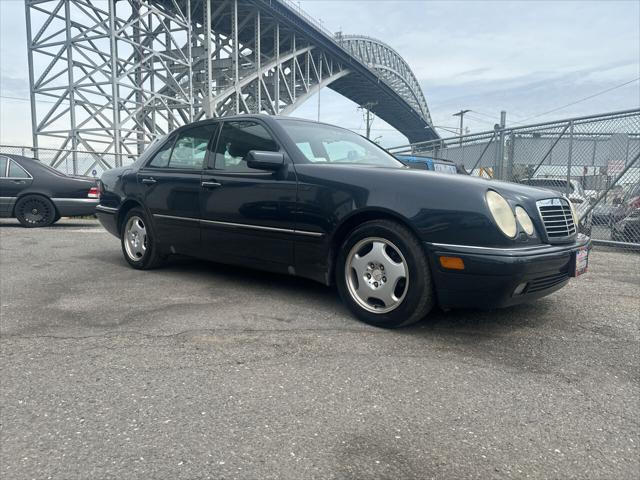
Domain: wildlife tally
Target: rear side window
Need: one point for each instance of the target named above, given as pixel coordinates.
(16, 171)
(3, 166)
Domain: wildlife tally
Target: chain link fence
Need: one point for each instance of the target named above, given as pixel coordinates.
(593, 160)
(72, 162)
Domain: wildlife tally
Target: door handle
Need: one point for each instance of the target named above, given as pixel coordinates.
(19, 182)
(149, 181)
(211, 184)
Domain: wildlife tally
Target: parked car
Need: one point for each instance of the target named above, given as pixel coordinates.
(38, 195)
(603, 213)
(626, 223)
(575, 193)
(429, 163)
(318, 201)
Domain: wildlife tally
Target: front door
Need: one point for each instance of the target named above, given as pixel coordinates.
(171, 184)
(247, 214)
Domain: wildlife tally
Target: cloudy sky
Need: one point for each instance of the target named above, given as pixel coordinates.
(527, 57)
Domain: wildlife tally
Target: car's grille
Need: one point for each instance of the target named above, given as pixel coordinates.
(557, 218)
(549, 281)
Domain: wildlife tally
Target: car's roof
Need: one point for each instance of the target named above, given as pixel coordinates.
(254, 116)
(18, 158)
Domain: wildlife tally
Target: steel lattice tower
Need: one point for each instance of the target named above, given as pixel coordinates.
(108, 76)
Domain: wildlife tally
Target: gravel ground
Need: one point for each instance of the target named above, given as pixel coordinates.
(199, 370)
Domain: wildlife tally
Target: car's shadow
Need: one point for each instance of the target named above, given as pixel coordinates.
(246, 277)
(463, 322)
(488, 336)
(13, 223)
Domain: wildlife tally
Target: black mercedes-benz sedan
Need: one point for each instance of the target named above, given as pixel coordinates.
(321, 202)
(38, 195)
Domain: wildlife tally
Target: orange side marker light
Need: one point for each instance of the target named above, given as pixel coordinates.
(452, 263)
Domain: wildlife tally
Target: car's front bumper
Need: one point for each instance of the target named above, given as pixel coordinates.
(492, 275)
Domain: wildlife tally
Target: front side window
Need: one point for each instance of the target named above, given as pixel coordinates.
(237, 139)
(321, 143)
(191, 147)
(16, 171)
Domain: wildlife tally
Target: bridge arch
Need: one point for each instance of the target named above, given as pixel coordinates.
(139, 68)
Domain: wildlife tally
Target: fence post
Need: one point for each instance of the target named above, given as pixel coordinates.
(569, 161)
(510, 157)
(500, 147)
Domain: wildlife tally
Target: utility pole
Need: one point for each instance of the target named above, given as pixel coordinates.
(461, 115)
(500, 169)
(368, 117)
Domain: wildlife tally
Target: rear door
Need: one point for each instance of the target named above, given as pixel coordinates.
(171, 187)
(248, 215)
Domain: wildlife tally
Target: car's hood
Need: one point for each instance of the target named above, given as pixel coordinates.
(442, 208)
(408, 179)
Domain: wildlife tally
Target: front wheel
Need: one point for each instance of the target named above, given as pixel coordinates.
(138, 245)
(383, 276)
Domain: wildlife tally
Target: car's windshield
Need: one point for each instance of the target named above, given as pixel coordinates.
(633, 192)
(550, 183)
(321, 143)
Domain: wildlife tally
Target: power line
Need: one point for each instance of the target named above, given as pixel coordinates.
(472, 117)
(476, 112)
(582, 99)
(27, 99)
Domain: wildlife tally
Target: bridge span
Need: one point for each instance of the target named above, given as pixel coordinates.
(108, 76)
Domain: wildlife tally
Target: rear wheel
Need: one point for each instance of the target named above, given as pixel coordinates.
(35, 211)
(383, 275)
(138, 244)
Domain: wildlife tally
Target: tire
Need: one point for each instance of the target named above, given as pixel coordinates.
(373, 251)
(34, 211)
(139, 246)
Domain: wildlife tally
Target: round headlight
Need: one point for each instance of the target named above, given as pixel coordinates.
(525, 220)
(502, 213)
(574, 212)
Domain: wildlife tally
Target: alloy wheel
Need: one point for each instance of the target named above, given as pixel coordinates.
(135, 240)
(377, 275)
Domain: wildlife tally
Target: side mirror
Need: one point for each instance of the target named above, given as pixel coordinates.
(265, 160)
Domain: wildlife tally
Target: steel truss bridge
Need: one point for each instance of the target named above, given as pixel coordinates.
(108, 76)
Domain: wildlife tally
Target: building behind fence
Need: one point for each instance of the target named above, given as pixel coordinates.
(595, 158)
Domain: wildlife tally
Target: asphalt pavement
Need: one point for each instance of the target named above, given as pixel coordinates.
(199, 370)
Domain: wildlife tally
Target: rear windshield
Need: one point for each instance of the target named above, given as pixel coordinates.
(50, 169)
